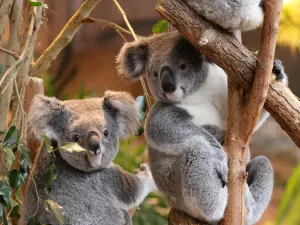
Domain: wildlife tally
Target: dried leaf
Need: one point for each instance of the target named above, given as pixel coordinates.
(56, 210)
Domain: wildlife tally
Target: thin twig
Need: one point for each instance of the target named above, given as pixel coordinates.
(63, 38)
(135, 38)
(106, 24)
(13, 54)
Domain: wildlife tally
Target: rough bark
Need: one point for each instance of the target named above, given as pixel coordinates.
(237, 61)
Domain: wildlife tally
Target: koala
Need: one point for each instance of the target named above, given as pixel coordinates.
(90, 188)
(185, 128)
(231, 15)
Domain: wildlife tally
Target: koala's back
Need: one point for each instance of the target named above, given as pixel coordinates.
(85, 197)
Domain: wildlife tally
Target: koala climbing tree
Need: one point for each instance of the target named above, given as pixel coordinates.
(224, 49)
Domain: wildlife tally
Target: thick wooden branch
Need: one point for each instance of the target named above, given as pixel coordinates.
(238, 62)
(244, 113)
(63, 38)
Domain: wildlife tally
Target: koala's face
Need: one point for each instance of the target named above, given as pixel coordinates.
(173, 67)
(95, 124)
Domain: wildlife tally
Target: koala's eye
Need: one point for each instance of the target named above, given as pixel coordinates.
(182, 66)
(155, 74)
(105, 133)
(76, 137)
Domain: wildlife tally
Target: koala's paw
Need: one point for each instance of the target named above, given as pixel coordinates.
(144, 170)
(278, 70)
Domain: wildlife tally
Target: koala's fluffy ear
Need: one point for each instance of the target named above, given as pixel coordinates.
(48, 115)
(132, 59)
(123, 108)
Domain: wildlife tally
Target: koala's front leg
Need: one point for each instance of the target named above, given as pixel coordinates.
(280, 76)
(131, 189)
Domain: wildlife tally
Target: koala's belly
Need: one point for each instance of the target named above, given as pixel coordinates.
(205, 114)
(85, 199)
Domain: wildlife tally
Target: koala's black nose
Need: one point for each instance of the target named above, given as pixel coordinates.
(93, 143)
(168, 83)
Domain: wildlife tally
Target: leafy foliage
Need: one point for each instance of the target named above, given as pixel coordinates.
(290, 203)
(17, 167)
(289, 28)
(160, 27)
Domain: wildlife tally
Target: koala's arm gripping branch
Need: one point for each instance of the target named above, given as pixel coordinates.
(238, 62)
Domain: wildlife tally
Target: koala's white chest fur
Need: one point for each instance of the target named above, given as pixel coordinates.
(208, 105)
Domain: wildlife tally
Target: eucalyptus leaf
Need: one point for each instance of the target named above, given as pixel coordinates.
(49, 175)
(9, 158)
(5, 189)
(72, 147)
(142, 106)
(140, 131)
(11, 136)
(47, 144)
(35, 3)
(4, 220)
(16, 179)
(1, 210)
(34, 221)
(56, 210)
(15, 212)
(160, 26)
(2, 132)
(25, 161)
(4, 200)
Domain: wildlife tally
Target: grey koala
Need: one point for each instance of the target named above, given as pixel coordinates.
(232, 15)
(90, 188)
(185, 128)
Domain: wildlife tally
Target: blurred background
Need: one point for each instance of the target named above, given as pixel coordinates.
(86, 68)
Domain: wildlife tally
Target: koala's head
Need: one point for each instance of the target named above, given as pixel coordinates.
(173, 67)
(95, 124)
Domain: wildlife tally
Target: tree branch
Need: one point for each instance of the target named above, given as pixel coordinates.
(13, 54)
(237, 61)
(63, 38)
(106, 24)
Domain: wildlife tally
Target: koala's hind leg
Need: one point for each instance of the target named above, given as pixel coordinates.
(204, 178)
(259, 188)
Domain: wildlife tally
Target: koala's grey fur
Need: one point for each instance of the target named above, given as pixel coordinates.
(90, 188)
(231, 14)
(185, 128)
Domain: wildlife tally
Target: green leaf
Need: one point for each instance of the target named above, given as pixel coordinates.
(34, 221)
(34, 3)
(9, 158)
(5, 189)
(72, 147)
(4, 220)
(1, 132)
(16, 179)
(15, 212)
(25, 161)
(47, 145)
(140, 131)
(11, 136)
(4, 200)
(160, 27)
(1, 210)
(56, 210)
(290, 200)
(49, 175)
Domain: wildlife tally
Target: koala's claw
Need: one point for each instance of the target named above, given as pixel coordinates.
(278, 70)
